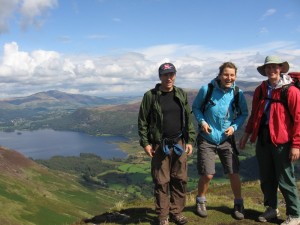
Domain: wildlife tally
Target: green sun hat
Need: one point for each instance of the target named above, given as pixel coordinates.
(274, 60)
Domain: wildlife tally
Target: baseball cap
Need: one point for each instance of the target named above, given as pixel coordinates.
(166, 68)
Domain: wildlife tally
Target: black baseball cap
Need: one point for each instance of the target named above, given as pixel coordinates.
(166, 68)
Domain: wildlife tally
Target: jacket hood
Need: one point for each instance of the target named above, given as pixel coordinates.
(215, 83)
(284, 80)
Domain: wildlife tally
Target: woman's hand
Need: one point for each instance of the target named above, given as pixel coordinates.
(206, 128)
(229, 131)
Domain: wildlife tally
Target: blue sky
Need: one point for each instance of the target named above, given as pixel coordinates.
(114, 47)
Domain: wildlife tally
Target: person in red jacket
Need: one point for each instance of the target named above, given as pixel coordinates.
(276, 127)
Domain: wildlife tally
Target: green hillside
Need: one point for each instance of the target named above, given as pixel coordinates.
(89, 190)
(31, 194)
(219, 208)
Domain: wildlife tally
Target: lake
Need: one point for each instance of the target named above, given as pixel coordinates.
(43, 144)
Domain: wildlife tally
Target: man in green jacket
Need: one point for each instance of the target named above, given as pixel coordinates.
(166, 133)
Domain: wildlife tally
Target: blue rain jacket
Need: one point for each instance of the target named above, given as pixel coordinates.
(219, 114)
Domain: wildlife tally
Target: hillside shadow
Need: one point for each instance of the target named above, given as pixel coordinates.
(250, 214)
(126, 216)
(147, 215)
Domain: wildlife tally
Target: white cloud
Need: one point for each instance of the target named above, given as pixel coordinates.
(65, 39)
(97, 36)
(30, 12)
(24, 73)
(290, 15)
(264, 30)
(6, 12)
(268, 13)
(116, 19)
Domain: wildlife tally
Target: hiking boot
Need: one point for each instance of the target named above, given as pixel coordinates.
(238, 211)
(179, 219)
(291, 221)
(164, 221)
(201, 209)
(269, 214)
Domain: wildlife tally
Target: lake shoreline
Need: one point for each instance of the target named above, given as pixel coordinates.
(46, 143)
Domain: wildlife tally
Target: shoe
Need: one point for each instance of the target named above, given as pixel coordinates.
(238, 211)
(179, 219)
(269, 214)
(291, 221)
(164, 221)
(201, 209)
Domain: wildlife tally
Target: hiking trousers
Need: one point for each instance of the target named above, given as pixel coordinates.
(276, 170)
(169, 174)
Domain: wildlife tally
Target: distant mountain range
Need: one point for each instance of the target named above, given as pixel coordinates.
(75, 112)
(58, 99)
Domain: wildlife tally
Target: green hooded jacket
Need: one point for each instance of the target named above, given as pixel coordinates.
(150, 120)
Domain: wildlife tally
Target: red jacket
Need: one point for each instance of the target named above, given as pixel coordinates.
(284, 124)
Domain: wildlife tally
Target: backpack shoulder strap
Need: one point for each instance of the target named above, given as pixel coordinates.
(235, 105)
(283, 95)
(236, 96)
(207, 97)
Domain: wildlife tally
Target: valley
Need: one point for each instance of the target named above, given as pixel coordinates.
(77, 190)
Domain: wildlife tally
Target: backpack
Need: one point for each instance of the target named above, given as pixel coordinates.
(283, 93)
(235, 104)
(296, 82)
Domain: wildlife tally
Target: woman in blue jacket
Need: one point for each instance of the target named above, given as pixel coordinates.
(218, 119)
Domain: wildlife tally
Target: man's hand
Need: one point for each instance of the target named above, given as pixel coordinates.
(294, 154)
(244, 140)
(149, 150)
(188, 149)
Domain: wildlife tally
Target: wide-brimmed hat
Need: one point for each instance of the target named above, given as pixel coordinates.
(166, 68)
(274, 60)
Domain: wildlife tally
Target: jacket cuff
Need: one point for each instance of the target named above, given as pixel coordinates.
(202, 122)
(144, 144)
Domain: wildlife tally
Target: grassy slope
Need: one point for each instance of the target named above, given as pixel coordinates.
(219, 197)
(33, 195)
(219, 209)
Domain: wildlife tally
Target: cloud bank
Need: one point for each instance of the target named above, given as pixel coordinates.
(30, 12)
(131, 73)
(124, 73)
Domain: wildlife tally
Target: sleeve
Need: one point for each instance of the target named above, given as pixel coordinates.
(254, 110)
(143, 123)
(239, 121)
(197, 103)
(190, 125)
(294, 108)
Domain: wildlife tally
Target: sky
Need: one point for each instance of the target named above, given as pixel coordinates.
(114, 47)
